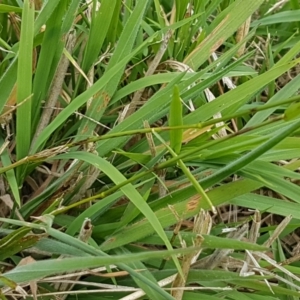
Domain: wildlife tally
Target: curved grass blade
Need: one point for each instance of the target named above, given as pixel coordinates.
(235, 192)
(185, 203)
(44, 268)
(49, 267)
(133, 195)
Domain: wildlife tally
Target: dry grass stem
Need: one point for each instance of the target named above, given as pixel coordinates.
(56, 87)
(202, 225)
(151, 69)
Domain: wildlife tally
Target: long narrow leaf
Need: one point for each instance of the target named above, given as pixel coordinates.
(128, 190)
(175, 119)
(246, 159)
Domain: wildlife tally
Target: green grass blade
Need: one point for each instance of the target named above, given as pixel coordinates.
(154, 109)
(46, 12)
(280, 17)
(92, 212)
(83, 98)
(185, 203)
(229, 102)
(123, 48)
(8, 82)
(45, 268)
(132, 194)
(190, 177)
(24, 81)
(175, 119)
(41, 269)
(10, 176)
(100, 19)
(4, 8)
(292, 112)
(52, 47)
(246, 159)
(232, 18)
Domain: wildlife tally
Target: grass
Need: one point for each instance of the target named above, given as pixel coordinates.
(150, 149)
